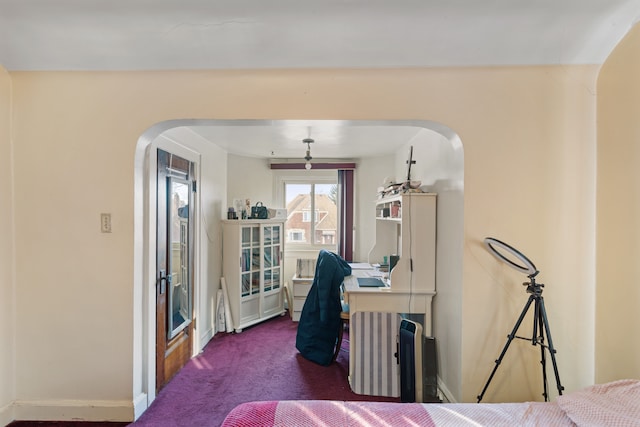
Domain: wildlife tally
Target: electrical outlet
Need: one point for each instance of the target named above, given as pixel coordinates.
(105, 222)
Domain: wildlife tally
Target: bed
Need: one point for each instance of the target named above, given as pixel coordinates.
(611, 404)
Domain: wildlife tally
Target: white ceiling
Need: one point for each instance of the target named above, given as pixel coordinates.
(223, 34)
(332, 139)
(260, 34)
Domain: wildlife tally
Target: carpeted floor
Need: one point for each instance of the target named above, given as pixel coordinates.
(261, 363)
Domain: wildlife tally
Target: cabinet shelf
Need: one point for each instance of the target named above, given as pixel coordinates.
(389, 208)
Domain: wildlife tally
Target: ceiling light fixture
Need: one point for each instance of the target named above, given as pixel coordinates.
(308, 157)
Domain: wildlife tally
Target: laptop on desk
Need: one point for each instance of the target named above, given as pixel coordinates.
(370, 282)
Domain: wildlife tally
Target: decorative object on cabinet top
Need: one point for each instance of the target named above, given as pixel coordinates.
(391, 188)
(259, 211)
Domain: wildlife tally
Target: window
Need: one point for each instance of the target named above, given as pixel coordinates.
(312, 212)
(331, 226)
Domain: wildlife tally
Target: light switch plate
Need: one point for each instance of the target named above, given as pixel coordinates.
(105, 222)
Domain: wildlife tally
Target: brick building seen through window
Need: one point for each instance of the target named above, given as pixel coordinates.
(312, 214)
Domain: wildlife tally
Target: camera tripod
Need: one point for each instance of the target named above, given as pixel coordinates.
(540, 327)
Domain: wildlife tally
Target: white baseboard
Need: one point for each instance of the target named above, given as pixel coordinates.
(205, 338)
(140, 404)
(446, 394)
(73, 410)
(6, 414)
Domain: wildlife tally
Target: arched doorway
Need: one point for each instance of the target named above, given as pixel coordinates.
(443, 165)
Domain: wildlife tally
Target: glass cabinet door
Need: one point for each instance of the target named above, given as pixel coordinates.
(246, 237)
(272, 254)
(245, 262)
(250, 262)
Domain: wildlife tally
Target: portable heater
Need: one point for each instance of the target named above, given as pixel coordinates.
(418, 364)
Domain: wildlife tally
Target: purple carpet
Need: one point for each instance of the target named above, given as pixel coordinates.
(261, 363)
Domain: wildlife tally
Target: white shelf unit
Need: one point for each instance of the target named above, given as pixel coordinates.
(301, 288)
(302, 281)
(253, 269)
(406, 226)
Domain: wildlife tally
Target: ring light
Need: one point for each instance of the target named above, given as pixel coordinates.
(514, 259)
(525, 266)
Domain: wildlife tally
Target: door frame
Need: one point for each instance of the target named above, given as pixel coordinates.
(148, 261)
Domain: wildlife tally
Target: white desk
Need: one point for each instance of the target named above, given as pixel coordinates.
(386, 299)
(372, 366)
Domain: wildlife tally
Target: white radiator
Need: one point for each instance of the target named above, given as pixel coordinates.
(374, 345)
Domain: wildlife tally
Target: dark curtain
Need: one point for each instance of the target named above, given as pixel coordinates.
(345, 194)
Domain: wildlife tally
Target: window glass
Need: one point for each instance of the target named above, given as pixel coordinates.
(312, 213)
(325, 214)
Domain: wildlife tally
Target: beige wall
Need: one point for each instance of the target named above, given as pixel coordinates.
(7, 283)
(249, 178)
(529, 143)
(618, 269)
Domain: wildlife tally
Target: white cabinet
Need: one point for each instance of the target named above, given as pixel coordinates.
(406, 226)
(252, 267)
(301, 288)
(302, 281)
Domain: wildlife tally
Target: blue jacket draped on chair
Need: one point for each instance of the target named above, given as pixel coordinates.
(320, 318)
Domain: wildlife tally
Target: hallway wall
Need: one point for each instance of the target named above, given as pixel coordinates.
(618, 293)
(529, 142)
